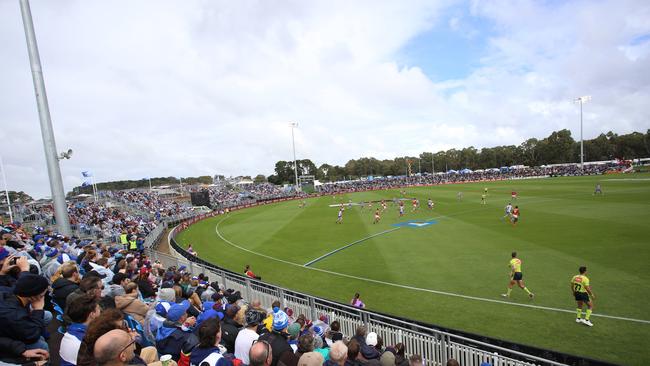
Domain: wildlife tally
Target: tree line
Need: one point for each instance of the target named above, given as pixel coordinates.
(142, 183)
(558, 147)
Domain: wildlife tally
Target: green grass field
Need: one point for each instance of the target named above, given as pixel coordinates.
(466, 253)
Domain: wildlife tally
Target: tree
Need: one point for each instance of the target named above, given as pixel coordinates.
(260, 178)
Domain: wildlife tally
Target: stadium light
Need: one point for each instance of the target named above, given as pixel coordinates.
(581, 101)
(293, 142)
(49, 144)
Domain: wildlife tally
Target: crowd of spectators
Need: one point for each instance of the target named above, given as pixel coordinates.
(149, 202)
(231, 195)
(458, 177)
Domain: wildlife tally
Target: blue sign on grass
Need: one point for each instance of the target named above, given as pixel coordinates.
(416, 223)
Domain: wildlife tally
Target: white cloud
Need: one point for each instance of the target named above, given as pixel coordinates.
(175, 88)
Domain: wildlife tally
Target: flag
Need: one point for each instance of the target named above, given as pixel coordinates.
(85, 184)
(86, 174)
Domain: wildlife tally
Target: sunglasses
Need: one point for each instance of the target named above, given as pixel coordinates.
(127, 346)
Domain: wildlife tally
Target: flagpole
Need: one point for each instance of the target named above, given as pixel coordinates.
(4, 178)
(92, 181)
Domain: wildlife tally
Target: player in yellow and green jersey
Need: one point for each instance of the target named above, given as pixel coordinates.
(516, 276)
(583, 295)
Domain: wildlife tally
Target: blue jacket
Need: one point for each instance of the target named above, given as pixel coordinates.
(171, 339)
(199, 354)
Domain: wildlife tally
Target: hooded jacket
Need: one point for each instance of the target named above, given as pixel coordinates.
(61, 288)
(171, 339)
(132, 305)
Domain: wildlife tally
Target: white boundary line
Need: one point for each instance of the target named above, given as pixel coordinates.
(348, 245)
(445, 293)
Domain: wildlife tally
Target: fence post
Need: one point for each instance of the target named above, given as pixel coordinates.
(445, 345)
(312, 307)
(281, 296)
(248, 290)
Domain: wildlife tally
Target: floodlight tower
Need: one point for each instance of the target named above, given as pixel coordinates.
(49, 144)
(581, 101)
(293, 142)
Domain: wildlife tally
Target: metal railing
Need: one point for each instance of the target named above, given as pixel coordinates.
(434, 345)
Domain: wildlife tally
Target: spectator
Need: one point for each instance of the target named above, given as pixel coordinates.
(452, 362)
(387, 359)
(353, 354)
(108, 320)
(175, 337)
(10, 267)
(81, 312)
(338, 354)
(368, 351)
(311, 359)
(305, 344)
(248, 335)
(207, 351)
(282, 352)
(14, 352)
(261, 354)
(334, 333)
(89, 284)
(131, 304)
(21, 313)
(249, 273)
(356, 301)
(116, 287)
(400, 357)
(116, 347)
(230, 328)
(146, 288)
(415, 360)
(67, 283)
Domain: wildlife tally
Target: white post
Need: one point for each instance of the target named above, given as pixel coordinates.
(150, 184)
(4, 178)
(293, 142)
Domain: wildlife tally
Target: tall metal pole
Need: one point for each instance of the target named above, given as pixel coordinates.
(4, 178)
(582, 100)
(293, 142)
(149, 184)
(433, 166)
(49, 144)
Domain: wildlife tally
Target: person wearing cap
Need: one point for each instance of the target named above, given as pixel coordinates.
(368, 350)
(21, 313)
(208, 352)
(175, 336)
(282, 352)
(248, 335)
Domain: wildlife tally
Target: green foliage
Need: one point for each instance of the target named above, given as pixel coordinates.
(142, 183)
(558, 147)
(15, 197)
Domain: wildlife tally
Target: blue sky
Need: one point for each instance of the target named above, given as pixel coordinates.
(451, 48)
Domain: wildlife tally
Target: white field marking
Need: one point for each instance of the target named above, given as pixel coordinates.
(445, 293)
(626, 179)
(348, 245)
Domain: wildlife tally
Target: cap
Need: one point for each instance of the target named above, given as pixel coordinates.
(176, 311)
(371, 339)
